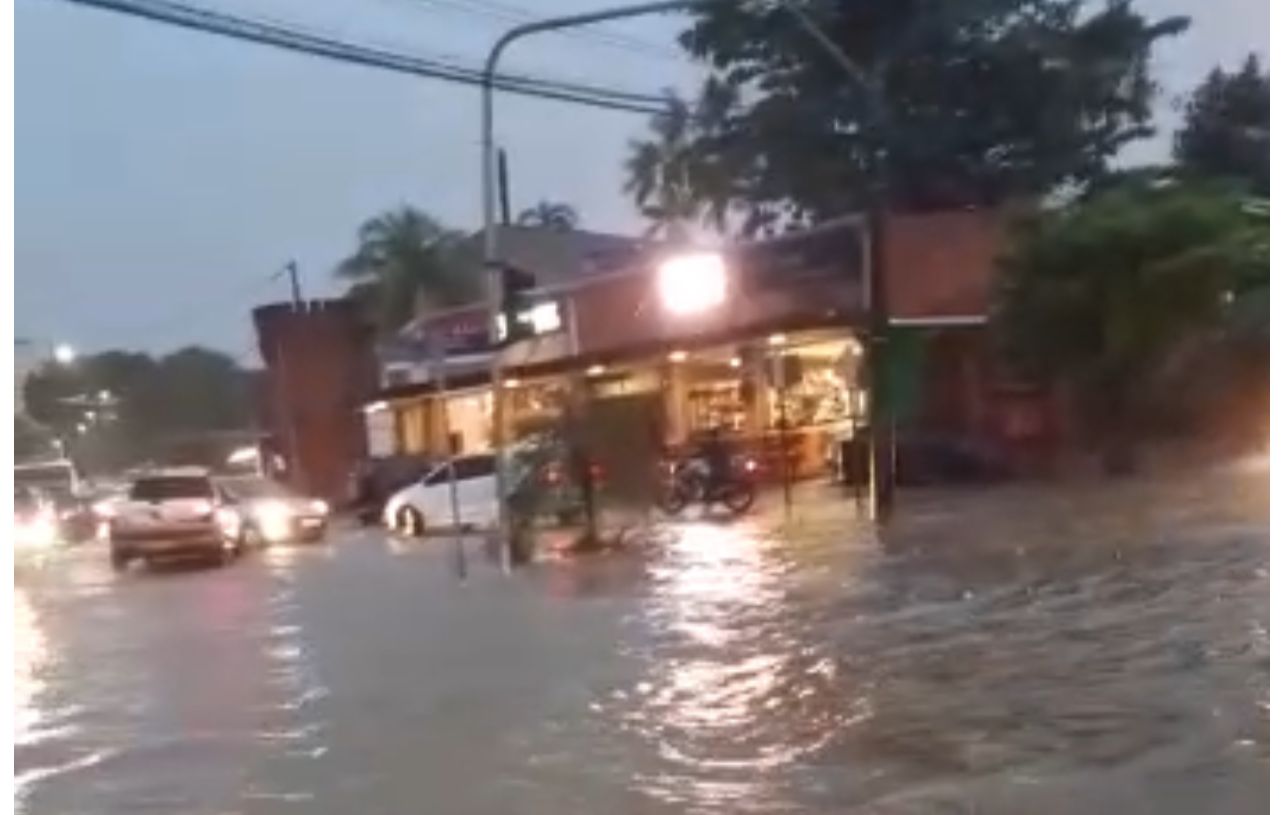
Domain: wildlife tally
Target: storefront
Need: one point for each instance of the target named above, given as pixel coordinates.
(780, 369)
(788, 391)
(796, 393)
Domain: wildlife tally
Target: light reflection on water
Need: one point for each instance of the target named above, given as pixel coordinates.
(30, 656)
(1052, 644)
(735, 689)
(169, 684)
(1018, 632)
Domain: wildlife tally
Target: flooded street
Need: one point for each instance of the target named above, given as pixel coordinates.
(1029, 648)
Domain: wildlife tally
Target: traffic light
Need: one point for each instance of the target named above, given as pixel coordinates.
(524, 311)
(514, 299)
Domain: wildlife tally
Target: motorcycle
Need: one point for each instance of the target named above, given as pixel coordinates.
(688, 481)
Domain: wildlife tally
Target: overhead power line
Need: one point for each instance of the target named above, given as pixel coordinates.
(502, 12)
(298, 40)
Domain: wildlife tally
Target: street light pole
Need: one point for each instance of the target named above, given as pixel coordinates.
(878, 317)
(490, 247)
(881, 483)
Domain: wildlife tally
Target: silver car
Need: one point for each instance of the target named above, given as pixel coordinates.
(269, 512)
(172, 514)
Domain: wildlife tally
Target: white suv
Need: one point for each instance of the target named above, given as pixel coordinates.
(170, 514)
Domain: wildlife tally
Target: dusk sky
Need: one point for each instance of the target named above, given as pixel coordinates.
(162, 175)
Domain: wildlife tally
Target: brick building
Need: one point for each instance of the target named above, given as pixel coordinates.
(784, 354)
(320, 370)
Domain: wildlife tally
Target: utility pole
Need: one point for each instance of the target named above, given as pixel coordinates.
(505, 208)
(493, 265)
(881, 459)
(494, 268)
(296, 293)
(291, 270)
(282, 375)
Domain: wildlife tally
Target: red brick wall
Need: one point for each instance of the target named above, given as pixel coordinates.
(320, 369)
(624, 313)
(941, 264)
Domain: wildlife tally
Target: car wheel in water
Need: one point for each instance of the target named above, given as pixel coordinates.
(250, 538)
(119, 560)
(410, 522)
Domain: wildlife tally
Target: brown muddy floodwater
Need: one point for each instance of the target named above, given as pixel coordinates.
(1088, 649)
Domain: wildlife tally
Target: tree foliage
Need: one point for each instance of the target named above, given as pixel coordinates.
(1227, 129)
(31, 441)
(403, 258)
(149, 401)
(967, 101)
(1102, 293)
(550, 215)
(676, 180)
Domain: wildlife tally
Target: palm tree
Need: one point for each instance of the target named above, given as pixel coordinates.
(659, 177)
(404, 257)
(676, 178)
(550, 215)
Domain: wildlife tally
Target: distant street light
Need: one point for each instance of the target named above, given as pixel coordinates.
(64, 354)
(692, 283)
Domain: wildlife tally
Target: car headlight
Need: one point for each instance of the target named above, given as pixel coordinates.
(229, 521)
(275, 519)
(37, 533)
(319, 507)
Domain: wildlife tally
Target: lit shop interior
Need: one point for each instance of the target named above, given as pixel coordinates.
(798, 392)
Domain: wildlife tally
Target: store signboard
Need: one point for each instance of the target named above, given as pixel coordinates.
(462, 332)
(837, 251)
(542, 317)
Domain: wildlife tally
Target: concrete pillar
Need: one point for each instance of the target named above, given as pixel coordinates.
(754, 365)
(675, 399)
(437, 430)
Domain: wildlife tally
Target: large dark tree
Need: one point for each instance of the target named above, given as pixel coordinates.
(118, 408)
(31, 441)
(1227, 131)
(969, 101)
(1103, 294)
(405, 257)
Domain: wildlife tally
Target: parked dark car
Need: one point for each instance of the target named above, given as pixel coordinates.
(374, 481)
(923, 459)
